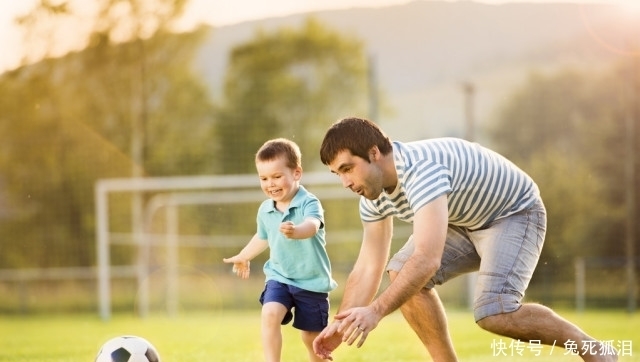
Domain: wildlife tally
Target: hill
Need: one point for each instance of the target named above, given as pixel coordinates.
(424, 50)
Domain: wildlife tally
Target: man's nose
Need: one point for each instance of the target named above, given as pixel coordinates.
(346, 182)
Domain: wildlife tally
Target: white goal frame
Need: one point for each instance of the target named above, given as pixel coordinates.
(172, 192)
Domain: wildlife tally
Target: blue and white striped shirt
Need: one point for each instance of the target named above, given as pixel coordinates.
(481, 185)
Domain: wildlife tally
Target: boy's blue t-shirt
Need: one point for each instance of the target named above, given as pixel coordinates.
(303, 263)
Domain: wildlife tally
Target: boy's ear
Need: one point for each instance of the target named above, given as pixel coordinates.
(297, 173)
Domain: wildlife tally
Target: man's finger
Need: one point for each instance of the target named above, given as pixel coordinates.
(363, 337)
(343, 315)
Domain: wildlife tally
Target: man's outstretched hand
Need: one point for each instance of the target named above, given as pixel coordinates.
(327, 341)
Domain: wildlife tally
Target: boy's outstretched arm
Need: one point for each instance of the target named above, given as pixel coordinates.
(306, 229)
(241, 262)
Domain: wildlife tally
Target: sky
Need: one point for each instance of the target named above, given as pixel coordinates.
(220, 13)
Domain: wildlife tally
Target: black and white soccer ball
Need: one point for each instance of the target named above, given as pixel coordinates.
(128, 349)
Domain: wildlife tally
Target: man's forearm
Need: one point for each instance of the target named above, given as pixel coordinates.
(413, 276)
(360, 289)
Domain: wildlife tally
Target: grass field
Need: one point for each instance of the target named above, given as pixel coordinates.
(233, 336)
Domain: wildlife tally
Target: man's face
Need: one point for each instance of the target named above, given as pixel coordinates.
(357, 174)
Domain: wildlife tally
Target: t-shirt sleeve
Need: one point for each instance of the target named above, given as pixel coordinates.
(313, 208)
(425, 182)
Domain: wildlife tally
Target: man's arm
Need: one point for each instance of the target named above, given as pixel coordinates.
(430, 226)
(363, 281)
(365, 278)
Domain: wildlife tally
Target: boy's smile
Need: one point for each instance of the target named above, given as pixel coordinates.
(278, 181)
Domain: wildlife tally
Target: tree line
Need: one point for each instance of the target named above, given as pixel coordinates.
(132, 105)
(135, 103)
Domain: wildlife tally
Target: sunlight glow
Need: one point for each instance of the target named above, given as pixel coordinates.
(621, 34)
(631, 7)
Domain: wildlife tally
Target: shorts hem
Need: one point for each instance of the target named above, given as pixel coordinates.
(500, 304)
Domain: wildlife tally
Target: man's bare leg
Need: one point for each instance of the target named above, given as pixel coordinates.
(537, 322)
(425, 314)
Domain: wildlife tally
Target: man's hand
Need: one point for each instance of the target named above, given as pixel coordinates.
(357, 322)
(327, 341)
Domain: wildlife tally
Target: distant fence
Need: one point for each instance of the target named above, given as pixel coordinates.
(28, 290)
(606, 283)
(184, 270)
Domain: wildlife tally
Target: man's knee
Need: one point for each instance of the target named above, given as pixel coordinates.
(495, 304)
(489, 323)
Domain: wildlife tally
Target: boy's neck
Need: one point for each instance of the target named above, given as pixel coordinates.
(284, 205)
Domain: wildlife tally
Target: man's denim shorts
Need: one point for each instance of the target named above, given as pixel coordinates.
(505, 254)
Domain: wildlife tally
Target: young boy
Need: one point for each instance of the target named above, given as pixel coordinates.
(298, 272)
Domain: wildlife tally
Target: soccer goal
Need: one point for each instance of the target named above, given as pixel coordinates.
(170, 194)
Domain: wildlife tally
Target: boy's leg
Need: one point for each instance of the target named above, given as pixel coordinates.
(276, 303)
(272, 314)
(307, 339)
(311, 316)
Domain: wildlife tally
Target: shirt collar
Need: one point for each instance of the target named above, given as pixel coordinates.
(295, 202)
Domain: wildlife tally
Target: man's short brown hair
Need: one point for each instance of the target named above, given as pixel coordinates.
(356, 135)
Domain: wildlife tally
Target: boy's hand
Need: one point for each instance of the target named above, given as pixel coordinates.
(287, 229)
(240, 266)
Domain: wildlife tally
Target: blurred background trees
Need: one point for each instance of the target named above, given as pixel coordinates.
(69, 121)
(131, 104)
(577, 135)
(290, 83)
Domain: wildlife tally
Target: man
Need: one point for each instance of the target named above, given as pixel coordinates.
(471, 210)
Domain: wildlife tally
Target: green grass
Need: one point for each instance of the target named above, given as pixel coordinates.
(233, 336)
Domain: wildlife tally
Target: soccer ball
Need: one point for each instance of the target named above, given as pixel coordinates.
(128, 349)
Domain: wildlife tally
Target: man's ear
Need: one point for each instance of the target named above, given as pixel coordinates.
(374, 154)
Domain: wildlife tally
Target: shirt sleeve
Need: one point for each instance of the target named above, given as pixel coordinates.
(313, 208)
(425, 182)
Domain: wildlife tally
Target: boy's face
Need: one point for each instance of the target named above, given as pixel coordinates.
(279, 182)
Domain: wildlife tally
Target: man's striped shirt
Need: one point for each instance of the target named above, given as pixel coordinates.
(481, 185)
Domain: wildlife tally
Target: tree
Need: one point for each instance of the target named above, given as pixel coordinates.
(567, 131)
(66, 122)
(289, 83)
(546, 112)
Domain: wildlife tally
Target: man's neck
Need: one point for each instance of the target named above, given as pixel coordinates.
(389, 174)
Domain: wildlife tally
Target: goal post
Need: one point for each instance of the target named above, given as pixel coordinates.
(172, 192)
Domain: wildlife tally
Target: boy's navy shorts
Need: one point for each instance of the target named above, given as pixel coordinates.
(311, 308)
